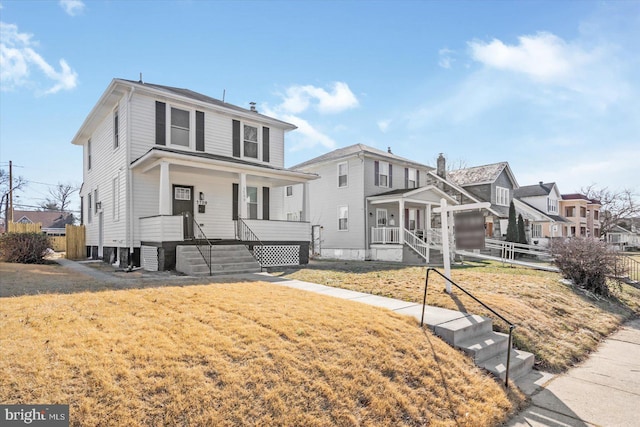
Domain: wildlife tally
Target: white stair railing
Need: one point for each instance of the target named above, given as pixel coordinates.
(416, 243)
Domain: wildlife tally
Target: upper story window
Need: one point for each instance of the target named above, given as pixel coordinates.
(383, 174)
(502, 196)
(570, 211)
(343, 169)
(179, 127)
(89, 207)
(536, 230)
(89, 154)
(411, 178)
(596, 215)
(116, 130)
(289, 190)
(552, 205)
(250, 141)
(583, 212)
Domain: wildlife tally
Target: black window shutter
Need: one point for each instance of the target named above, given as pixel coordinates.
(406, 218)
(199, 131)
(418, 224)
(417, 178)
(265, 144)
(161, 123)
(234, 197)
(265, 202)
(406, 177)
(376, 173)
(390, 176)
(236, 138)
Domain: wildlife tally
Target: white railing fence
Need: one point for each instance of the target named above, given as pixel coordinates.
(385, 235)
(416, 243)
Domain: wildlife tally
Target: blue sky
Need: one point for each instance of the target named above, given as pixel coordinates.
(551, 87)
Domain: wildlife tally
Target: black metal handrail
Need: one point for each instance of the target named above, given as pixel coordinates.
(246, 234)
(198, 246)
(511, 325)
(627, 265)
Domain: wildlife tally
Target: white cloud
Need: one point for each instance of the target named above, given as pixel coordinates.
(383, 125)
(298, 99)
(307, 135)
(543, 57)
(446, 58)
(18, 60)
(72, 7)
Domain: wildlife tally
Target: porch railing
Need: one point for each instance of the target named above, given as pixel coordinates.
(627, 269)
(385, 235)
(416, 243)
(203, 238)
(245, 234)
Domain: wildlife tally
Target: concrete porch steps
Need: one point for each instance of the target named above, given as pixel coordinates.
(225, 259)
(475, 336)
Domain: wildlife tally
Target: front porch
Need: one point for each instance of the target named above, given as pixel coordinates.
(402, 219)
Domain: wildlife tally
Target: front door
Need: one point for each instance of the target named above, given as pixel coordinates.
(183, 205)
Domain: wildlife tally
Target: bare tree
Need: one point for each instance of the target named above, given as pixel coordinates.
(18, 185)
(60, 197)
(616, 205)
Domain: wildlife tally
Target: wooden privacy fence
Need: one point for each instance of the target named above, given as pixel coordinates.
(75, 242)
(19, 227)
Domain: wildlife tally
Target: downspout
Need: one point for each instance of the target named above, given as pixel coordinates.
(129, 224)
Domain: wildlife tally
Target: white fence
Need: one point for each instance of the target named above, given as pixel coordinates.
(385, 235)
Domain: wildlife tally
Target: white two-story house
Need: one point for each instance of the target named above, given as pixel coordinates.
(165, 167)
(539, 204)
(368, 204)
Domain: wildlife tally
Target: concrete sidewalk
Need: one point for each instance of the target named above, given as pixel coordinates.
(603, 391)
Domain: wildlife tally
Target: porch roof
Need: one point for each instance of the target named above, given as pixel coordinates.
(215, 162)
(413, 195)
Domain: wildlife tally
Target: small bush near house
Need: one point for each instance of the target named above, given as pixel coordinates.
(586, 261)
(24, 248)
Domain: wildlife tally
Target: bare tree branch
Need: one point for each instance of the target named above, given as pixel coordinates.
(60, 197)
(616, 205)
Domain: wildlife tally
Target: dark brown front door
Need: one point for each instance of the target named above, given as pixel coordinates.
(183, 205)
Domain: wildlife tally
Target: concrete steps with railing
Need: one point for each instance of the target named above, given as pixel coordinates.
(225, 259)
(475, 336)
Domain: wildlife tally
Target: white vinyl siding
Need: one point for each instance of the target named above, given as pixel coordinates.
(116, 198)
(502, 196)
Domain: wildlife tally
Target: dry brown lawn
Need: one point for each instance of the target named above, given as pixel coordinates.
(233, 354)
(559, 324)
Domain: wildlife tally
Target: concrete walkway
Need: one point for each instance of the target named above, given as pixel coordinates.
(433, 316)
(603, 391)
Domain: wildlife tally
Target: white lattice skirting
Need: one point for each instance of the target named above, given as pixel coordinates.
(277, 255)
(149, 258)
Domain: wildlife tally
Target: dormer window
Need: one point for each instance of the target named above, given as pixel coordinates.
(502, 196)
(552, 205)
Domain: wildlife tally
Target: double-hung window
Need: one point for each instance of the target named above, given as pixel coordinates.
(552, 205)
(116, 130)
(252, 202)
(250, 141)
(179, 127)
(411, 178)
(502, 196)
(536, 230)
(289, 190)
(343, 218)
(383, 175)
(343, 170)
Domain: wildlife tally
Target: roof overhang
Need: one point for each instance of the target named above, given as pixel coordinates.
(154, 157)
(413, 196)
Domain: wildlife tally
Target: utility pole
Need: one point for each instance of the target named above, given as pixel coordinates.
(10, 192)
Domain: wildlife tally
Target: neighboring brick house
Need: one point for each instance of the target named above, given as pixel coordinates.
(583, 214)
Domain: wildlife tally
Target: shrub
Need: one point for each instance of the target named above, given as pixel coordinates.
(586, 261)
(512, 225)
(24, 248)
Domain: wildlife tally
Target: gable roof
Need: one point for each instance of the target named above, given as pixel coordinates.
(540, 189)
(48, 219)
(352, 150)
(121, 87)
(485, 174)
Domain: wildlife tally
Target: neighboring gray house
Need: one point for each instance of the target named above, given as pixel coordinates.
(367, 204)
(165, 166)
(493, 183)
(540, 207)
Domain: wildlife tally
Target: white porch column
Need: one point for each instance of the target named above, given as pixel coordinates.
(242, 196)
(165, 190)
(401, 220)
(305, 203)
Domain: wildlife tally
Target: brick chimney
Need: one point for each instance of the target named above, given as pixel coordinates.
(441, 169)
